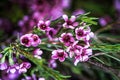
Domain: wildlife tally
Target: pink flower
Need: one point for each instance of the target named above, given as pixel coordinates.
(37, 53)
(26, 40)
(74, 50)
(51, 33)
(30, 39)
(81, 32)
(59, 54)
(43, 25)
(67, 39)
(24, 66)
(35, 40)
(70, 23)
(84, 56)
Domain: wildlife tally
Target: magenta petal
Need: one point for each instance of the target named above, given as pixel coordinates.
(73, 18)
(65, 17)
(75, 24)
(76, 62)
(65, 24)
(84, 58)
(72, 27)
(47, 23)
(41, 22)
(61, 59)
(54, 57)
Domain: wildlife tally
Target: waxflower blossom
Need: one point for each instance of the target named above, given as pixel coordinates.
(74, 50)
(66, 38)
(37, 53)
(59, 54)
(51, 33)
(84, 56)
(81, 33)
(43, 25)
(69, 23)
(23, 67)
(30, 40)
(35, 40)
(26, 40)
(13, 68)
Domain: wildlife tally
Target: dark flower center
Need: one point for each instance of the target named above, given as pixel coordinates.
(69, 22)
(83, 53)
(25, 40)
(43, 26)
(61, 54)
(51, 33)
(80, 33)
(35, 38)
(66, 38)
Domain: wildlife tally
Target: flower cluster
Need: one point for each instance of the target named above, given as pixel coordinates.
(30, 40)
(77, 43)
(70, 40)
(16, 68)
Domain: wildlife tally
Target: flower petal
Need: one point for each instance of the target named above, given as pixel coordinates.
(61, 59)
(75, 24)
(47, 23)
(73, 18)
(65, 17)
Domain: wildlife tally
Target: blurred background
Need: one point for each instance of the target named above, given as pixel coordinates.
(18, 17)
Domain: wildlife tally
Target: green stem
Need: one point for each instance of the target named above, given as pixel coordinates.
(37, 62)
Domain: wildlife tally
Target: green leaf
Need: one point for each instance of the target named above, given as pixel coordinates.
(53, 73)
(106, 48)
(99, 60)
(112, 57)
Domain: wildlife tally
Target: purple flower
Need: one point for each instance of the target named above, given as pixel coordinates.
(44, 26)
(52, 63)
(13, 68)
(103, 21)
(81, 33)
(51, 33)
(26, 40)
(35, 40)
(24, 66)
(3, 66)
(67, 39)
(37, 53)
(59, 54)
(84, 56)
(70, 23)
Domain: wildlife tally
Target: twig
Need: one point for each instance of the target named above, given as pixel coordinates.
(105, 68)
